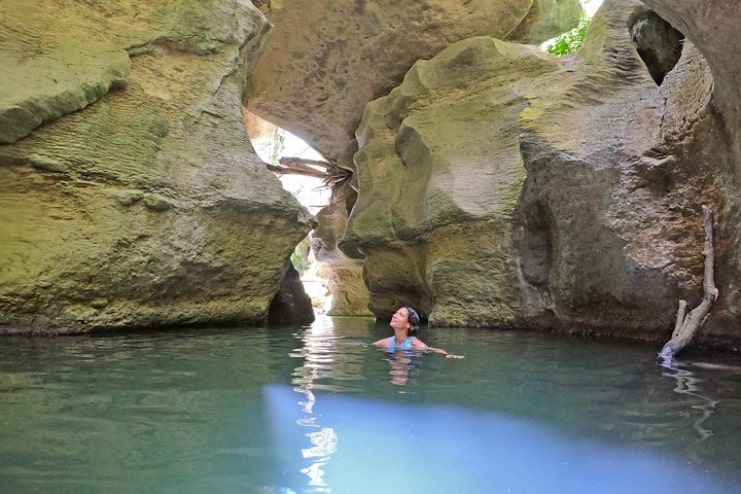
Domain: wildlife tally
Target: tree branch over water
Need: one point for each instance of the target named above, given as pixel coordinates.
(331, 174)
(687, 325)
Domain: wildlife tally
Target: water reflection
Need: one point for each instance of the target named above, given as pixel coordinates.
(403, 368)
(314, 411)
(688, 384)
(324, 444)
(328, 359)
(317, 352)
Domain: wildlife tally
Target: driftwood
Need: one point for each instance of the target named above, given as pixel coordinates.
(331, 174)
(298, 166)
(687, 325)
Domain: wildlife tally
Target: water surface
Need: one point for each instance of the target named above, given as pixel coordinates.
(320, 410)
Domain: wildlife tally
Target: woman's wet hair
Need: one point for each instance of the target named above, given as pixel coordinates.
(412, 318)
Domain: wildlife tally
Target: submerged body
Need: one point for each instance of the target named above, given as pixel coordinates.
(404, 322)
(404, 345)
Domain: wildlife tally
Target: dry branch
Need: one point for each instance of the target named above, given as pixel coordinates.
(687, 325)
(331, 174)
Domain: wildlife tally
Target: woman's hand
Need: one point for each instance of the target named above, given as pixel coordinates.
(423, 346)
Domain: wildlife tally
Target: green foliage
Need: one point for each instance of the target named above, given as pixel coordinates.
(567, 43)
(300, 263)
(300, 257)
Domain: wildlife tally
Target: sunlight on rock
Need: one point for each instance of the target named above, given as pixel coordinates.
(271, 143)
(591, 6)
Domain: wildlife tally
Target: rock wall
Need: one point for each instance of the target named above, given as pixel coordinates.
(610, 210)
(439, 172)
(714, 151)
(647, 153)
(494, 185)
(325, 60)
(130, 194)
(501, 187)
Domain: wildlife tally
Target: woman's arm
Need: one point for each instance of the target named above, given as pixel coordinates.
(421, 345)
(383, 341)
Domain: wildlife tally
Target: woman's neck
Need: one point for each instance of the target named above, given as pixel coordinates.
(401, 335)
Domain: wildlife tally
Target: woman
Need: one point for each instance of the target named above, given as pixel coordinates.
(405, 322)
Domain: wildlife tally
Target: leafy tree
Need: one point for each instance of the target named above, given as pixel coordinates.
(568, 42)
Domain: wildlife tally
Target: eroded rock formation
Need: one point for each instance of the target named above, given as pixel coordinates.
(494, 185)
(130, 195)
(566, 197)
(644, 154)
(439, 173)
(610, 209)
(325, 61)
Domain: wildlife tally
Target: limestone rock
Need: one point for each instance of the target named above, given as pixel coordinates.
(548, 195)
(712, 29)
(439, 174)
(325, 61)
(344, 274)
(642, 158)
(545, 20)
(63, 79)
(147, 207)
(713, 151)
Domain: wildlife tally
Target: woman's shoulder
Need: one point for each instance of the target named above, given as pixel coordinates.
(417, 343)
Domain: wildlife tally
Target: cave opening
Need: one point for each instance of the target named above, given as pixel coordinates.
(302, 172)
(657, 42)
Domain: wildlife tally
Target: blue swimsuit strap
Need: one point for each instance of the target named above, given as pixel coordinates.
(404, 345)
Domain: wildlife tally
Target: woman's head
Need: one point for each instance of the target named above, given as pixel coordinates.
(413, 319)
(405, 318)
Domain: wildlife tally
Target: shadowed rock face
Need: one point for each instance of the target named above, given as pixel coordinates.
(291, 305)
(138, 201)
(325, 60)
(647, 159)
(657, 43)
(606, 170)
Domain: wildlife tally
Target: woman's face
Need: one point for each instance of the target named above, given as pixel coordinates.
(400, 319)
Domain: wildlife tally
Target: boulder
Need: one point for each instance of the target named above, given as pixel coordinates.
(136, 200)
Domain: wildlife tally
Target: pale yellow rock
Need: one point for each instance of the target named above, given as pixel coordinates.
(325, 60)
(146, 207)
(439, 175)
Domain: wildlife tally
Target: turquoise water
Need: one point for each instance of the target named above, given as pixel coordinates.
(319, 410)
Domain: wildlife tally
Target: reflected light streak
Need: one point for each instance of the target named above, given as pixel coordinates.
(317, 351)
